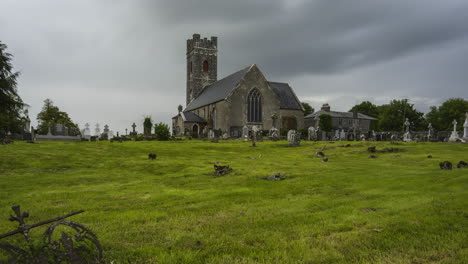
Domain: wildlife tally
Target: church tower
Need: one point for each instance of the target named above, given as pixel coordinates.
(202, 64)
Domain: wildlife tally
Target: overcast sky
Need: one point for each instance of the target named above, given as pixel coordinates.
(113, 61)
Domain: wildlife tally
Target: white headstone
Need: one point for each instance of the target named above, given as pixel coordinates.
(342, 135)
(454, 136)
(97, 131)
(87, 132)
(465, 128)
(312, 134)
(245, 133)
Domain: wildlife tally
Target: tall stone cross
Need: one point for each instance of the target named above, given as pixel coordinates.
(134, 126)
(407, 125)
(126, 131)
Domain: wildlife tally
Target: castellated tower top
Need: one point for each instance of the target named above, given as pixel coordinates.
(197, 42)
(202, 64)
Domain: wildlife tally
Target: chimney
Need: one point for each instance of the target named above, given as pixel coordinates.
(326, 107)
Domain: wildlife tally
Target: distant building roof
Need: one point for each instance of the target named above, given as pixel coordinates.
(339, 115)
(221, 89)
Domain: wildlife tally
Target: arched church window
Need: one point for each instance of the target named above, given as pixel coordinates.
(254, 104)
(205, 66)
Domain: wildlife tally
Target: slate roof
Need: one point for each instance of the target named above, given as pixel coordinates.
(220, 90)
(217, 91)
(286, 95)
(191, 117)
(339, 115)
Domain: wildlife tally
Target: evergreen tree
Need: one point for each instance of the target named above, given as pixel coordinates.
(50, 116)
(11, 105)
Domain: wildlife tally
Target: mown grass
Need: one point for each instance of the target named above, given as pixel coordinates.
(397, 208)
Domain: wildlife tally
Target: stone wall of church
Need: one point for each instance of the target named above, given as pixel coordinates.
(298, 114)
(237, 102)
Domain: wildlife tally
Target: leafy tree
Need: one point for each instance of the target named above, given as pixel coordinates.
(369, 109)
(366, 108)
(325, 122)
(147, 126)
(307, 109)
(11, 105)
(393, 115)
(162, 131)
(443, 116)
(50, 116)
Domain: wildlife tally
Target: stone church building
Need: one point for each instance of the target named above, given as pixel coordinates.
(244, 98)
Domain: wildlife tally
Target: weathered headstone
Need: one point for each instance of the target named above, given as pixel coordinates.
(211, 134)
(87, 132)
(454, 136)
(312, 134)
(407, 135)
(245, 133)
(274, 134)
(294, 138)
(59, 129)
(97, 131)
(430, 132)
(342, 135)
(465, 128)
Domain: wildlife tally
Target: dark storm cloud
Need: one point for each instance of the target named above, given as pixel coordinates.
(115, 61)
(323, 36)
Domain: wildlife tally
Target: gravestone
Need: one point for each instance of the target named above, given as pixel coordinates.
(342, 135)
(59, 129)
(245, 133)
(312, 134)
(289, 135)
(294, 138)
(133, 133)
(407, 135)
(337, 135)
(430, 132)
(454, 136)
(225, 136)
(87, 132)
(255, 131)
(274, 134)
(211, 134)
(465, 128)
(97, 130)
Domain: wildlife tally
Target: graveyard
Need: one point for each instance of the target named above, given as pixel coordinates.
(278, 204)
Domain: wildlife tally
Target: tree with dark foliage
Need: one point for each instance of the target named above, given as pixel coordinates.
(307, 109)
(11, 105)
(50, 116)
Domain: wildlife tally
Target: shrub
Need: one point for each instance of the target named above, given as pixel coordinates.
(325, 122)
(162, 131)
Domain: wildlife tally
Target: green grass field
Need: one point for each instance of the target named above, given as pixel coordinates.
(397, 208)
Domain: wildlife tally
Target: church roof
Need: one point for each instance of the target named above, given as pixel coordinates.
(286, 95)
(217, 91)
(340, 115)
(220, 90)
(191, 117)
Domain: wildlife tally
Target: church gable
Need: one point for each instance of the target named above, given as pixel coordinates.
(217, 91)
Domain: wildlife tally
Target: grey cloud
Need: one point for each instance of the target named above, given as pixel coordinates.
(110, 55)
